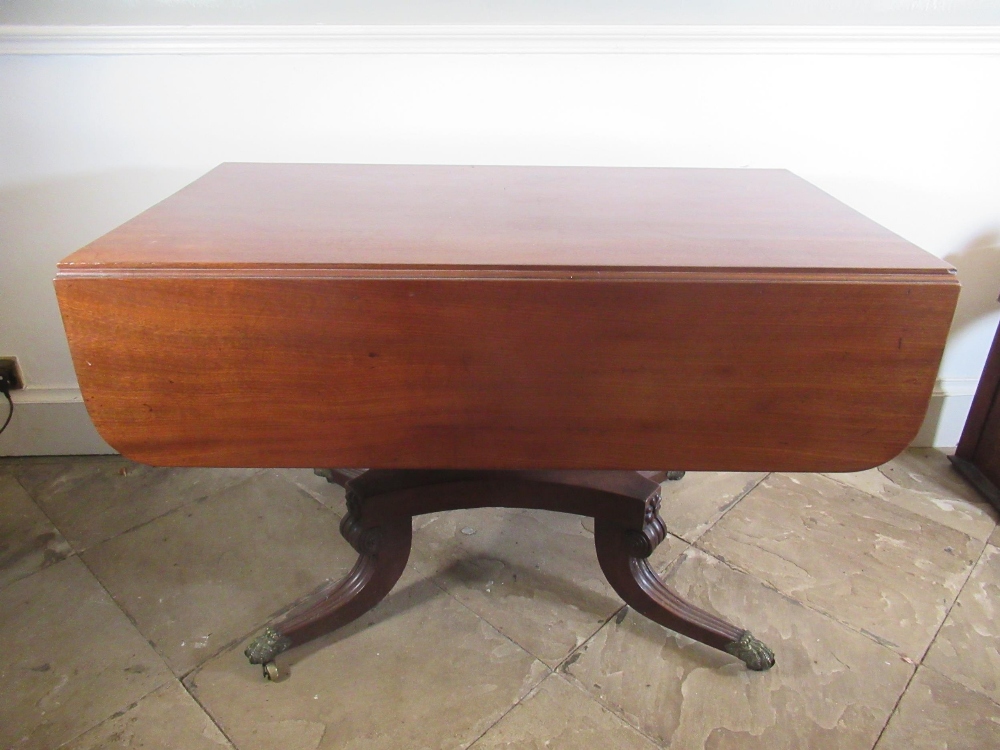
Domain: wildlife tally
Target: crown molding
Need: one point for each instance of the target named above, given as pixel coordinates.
(501, 40)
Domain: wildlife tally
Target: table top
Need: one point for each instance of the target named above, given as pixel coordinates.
(465, 219)
(505, 318)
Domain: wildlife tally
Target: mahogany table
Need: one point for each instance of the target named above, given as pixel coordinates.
(505, 336)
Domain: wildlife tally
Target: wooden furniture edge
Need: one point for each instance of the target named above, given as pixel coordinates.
(618, 273)
(982, 404)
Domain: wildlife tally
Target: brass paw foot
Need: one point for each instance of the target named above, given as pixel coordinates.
(752, 652)
(327, 474)
(266, 646)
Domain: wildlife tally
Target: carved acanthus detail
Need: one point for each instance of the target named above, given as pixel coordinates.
(353, 502)
(365, 540)
(641, 543)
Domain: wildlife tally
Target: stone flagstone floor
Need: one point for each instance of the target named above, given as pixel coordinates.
(127, 594)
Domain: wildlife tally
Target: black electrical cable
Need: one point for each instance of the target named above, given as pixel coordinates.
(10, 413)
(6, 392)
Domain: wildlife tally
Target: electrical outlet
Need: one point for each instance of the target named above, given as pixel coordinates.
(10, 373)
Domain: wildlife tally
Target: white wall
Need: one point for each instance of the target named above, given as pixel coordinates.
(904, 131)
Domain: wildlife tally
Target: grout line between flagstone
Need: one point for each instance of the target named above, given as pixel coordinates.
(166, 513)
(834, 478)
(208, 714)
(813, 608)
(471, 745)
(576, 685)
(559, 670)
(618, 615)
(736, 501)
(305, 597)
(304, 491)
(138, 632)
(675, 562)
(106, 719)
(245, 636)
(871, 636)
(475, 614)
(132, 621)
(561, 666)
(613, 710)
(955, 682)
(895, 707)
(128, 618)
(548, 670)
(72, 553)
(433, 579)
(947, 614)
(229, 644)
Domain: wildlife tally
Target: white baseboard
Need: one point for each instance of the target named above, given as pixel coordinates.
(947, 412)
(54, 421)
(50, 422)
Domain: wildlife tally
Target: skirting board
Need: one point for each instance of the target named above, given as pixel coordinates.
(945, 419)
(54, 421)
(50, 422)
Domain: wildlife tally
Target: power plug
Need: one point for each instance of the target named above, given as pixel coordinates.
(10, 375)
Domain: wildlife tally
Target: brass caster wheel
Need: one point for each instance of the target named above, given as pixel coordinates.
(270, 670)
(673, 476)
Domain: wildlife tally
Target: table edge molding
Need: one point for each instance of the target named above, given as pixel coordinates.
(549, 274)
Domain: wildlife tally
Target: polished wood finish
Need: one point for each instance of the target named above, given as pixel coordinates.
(983, 404)
(497, 337)
(977, 456)
(382, 554)
(627, 528)
(381, 218)
(505, 318)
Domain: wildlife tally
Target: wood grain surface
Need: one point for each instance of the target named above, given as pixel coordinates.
(379, 217)
(729, 320)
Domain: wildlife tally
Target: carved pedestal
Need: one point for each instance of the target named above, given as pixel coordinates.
(627, 528)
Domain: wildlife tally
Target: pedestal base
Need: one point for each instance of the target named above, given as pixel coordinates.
(627, 528)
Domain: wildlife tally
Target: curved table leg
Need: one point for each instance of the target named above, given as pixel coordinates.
(622, 553)
(378, 524)
(383, 552)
